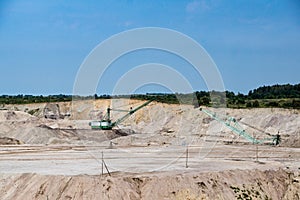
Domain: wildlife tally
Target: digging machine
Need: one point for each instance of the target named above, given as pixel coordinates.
(234, 126)
(106, 123)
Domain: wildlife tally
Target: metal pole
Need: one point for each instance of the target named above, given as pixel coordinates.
(106, 168)
(256, 152)
(186, 156)
(102, 163)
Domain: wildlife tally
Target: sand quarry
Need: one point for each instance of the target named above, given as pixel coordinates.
(161, 152)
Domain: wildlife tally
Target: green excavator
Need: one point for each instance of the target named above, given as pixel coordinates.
(107, 124)
(234, 126)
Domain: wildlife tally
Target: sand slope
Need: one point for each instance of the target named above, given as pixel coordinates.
(243, 184)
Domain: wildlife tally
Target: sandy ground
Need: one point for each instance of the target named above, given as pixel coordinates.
(161, 152)
(76, 160)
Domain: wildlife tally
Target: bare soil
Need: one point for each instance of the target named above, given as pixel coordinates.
(161, 152)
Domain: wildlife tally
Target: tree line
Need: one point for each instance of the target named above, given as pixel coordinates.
(284, 96)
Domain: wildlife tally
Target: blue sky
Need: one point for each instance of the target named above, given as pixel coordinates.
(43, 43)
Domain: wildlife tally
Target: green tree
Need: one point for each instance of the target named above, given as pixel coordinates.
(248, 104)
(255, 104)
(204, 101)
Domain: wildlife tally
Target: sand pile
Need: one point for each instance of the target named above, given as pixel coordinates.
(7, 115)
(45, 135)
(17, 127)
(174, 123)
(247, 184)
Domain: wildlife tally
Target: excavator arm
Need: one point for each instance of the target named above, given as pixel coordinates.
(130, 112)
(233, 125)
(106, 124)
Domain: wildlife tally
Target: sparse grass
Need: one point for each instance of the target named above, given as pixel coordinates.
(244, 193)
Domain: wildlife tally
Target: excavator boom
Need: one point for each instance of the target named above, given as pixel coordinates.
(106, 124)
(131, 111)
(233, 125)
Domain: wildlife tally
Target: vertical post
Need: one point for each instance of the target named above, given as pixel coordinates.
(256, 152)
(187, 156)
(102, 163)
(108, 113)
(256, 147)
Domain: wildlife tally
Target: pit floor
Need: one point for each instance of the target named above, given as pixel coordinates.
(75, 160)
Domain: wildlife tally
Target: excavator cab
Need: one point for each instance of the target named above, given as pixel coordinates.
(277, 139)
